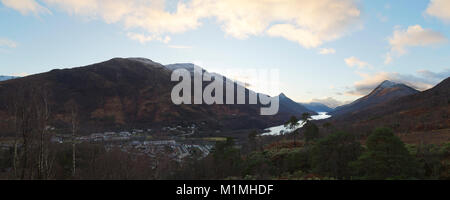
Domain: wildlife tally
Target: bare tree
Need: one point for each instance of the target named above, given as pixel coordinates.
(74, 128)
(30, 112)
(42, 112)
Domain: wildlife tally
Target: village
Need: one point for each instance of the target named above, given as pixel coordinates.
(175, 142)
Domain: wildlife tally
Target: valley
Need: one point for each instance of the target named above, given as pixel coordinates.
(122, 108)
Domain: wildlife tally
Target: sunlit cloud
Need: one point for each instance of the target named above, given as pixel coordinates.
(7, 43)
(308, 23)
(25, 7)
(439, 9)
(413, 36)
(325, 51)
(354, 61)
(147, 38)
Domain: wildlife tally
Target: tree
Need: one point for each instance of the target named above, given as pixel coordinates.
(74, 128)
(42, 117)
(386, 158)
(227, 159)
(331, 155)
(327, 125)
(292, 124)
(253, 141)
(306, 117)
(31, 116)
(311, 131)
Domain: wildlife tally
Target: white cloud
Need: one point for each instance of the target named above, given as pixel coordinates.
(327, 51)
(7, 43)
(25, 6)
(423, 80)
(309, 23)
(147, 15)
(142, 38)
(413, 36)
(354, 61)
(439, 9)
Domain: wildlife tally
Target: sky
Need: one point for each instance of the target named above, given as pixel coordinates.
(331, 51)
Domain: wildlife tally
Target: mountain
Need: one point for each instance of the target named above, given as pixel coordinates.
(187, 66)
(385, 92)
(330, 102)
(4, 78)
(317, 107)
(420, 111)
(287, 105)
(121, 93)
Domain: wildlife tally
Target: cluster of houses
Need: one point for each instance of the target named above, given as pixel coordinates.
(102, 137)
(136, 141)
(169, 148)
(180, 131)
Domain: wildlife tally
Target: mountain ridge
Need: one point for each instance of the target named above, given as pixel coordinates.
(317, 107)
(127, 92)
(421, 111)
(384, 92)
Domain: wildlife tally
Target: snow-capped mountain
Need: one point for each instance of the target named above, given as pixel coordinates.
(385, 92)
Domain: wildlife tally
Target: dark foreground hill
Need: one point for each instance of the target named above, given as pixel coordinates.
(122, 93)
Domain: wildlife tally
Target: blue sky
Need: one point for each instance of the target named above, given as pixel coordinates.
(359, 36)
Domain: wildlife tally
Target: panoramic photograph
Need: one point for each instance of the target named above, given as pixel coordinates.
(229, 90)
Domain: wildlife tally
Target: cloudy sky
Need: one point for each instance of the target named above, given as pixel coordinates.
(324, 49)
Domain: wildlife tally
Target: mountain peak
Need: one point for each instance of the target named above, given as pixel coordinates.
(282, 95)
(387, 84)
(143, 60)
(187, 66)
(382, 94)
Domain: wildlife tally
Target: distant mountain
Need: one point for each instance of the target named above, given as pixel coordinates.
(289, 106)
(317, 107)
(4, 78)
(419, 111)
(385, 92)
(133, 92)
(330, 102)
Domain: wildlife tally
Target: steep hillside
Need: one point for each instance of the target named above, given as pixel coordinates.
(423, 111)
(120, 93)
(317, 107)
(287, 105)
